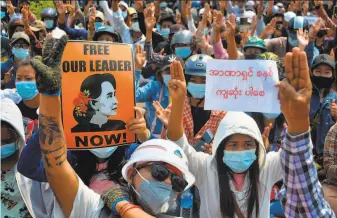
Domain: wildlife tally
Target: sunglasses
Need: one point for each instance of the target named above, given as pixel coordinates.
(160, 173)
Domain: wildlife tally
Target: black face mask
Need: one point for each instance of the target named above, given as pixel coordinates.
(322, 82)
(224, 44)
(251, 56)
(238, 39)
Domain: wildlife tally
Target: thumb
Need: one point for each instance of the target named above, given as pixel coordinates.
(333, 102)
(139, 113)
(161, 51)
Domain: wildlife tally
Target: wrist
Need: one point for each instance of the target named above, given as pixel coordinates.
(120, 204)
(297, 127)
(144, 136)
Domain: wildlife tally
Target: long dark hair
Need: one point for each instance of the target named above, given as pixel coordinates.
(91, 87)
(86, 165)
(225, 174)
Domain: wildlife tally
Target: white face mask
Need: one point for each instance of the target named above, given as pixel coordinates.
(135, 27)
(103, 152)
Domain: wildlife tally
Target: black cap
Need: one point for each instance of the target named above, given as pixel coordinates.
(324, 59)
(165, 63)
(176, 28)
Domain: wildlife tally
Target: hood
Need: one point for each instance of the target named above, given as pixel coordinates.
(238, 123)
(11, 114)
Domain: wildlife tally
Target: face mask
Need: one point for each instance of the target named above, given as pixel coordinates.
(224, 44)
(251, 56)
(155, 195)
(98, 25)
(321, 33)
(292, 40)
(166, 79)
(270, 116)
(26, 89)
(103, 153)
(206, 32)
(135, 27)
(163, 5)
(183, 52)
(238, 39)
(239, 161)
(2, 14)
(322, 82)
(49, 24)
(165, 32)
(8, 149)
(124, 14)
(20, 53)
(197, 90)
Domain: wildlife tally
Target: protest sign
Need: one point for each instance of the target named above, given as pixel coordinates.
(242, 85)
(97, 94)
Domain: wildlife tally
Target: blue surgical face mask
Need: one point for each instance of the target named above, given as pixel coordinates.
(206, 31)
(103, 152)
(239, 161)
(196, 90)
(27, 89)
(183, 52)
(163, 4)
(154, 195)
(49, 24)
(98, 25)
(20, 53)
(8, 149)
(166, 79)
(165, 32)
(124, 14)
(270, 116)
(2, 14)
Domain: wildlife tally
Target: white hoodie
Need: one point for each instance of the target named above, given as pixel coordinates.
(204, 168)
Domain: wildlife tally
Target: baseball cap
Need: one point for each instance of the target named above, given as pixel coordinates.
(324, 59)
(160, 150)
(38, 25)
(20, 35)
(176, 28)
(100, 15)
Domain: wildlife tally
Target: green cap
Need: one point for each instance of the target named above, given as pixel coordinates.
(255, 42)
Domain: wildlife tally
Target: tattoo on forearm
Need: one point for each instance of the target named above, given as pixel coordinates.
(52, 141)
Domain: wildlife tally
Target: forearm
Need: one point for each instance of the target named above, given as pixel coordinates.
(190, 24)
(232, 49)
(148, 35)
(60, 174)
(175, 125)
(219, 51)
(329, 23)
(71, 21)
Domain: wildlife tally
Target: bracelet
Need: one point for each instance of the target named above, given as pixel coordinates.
(128, 207)
(113, 207)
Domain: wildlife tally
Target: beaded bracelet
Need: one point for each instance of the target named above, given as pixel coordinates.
(128, 207)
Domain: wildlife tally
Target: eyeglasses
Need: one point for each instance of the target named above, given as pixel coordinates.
(25, 46)
(160, 172)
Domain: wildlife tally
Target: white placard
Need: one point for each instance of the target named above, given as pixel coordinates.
(242, 85)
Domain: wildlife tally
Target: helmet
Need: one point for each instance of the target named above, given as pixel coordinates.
(3, 4)
(255, 42)
(297, 23)
(182, 37)
(275, 10)
(196, 4)
(196, 65)
(273, 57)
(48, 12)
(15, 21)
(108, 30)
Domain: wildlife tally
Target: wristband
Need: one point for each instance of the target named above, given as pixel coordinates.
(53, 94)
(318, 7)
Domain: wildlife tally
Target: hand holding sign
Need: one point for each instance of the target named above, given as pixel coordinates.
(295, 92)
(177, 84)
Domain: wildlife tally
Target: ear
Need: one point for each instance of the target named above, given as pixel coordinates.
(94, 104)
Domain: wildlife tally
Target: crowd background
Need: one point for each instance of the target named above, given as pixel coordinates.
(232, 164)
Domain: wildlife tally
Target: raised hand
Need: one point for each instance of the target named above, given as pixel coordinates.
(150, 20)
(139, 6)
(140, 57)
(318, 3)
(162, 114)
(231, 25)
(10, 7)
(177, 84)
(87, 6)
(70, 9)
(217, 21)
(178, 18)
(315, 28)
(47, 67)
(223, 5)
(8, 76)
(265, 135)
(333, 110)
(188, 9)
(92, 17)
(295, 92)
(270, 27)
(302, 38)
(207, 148)
(205, 15)
(25, 13)
(138, 125)
(260, 9)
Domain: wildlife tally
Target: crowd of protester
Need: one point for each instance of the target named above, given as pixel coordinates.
(256, 165)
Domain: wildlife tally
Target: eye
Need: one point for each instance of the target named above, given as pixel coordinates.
(109, 95)
(232, 145)
(249, 145)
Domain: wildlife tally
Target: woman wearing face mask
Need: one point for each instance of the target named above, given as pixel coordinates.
(182, 44)
(196, 119)
(235, 181)
(322, 76)
(155, 90)
(49, 17)
(12, 141)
